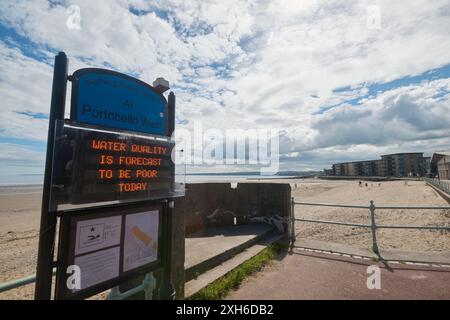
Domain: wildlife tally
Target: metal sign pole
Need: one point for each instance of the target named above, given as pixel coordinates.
(167, 290)
(47, 230)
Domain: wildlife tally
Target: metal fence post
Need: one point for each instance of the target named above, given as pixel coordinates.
(373, 226)
(149, 283)
(114, 294)
(292, 222)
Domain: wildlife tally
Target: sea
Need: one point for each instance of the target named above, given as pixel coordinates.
(37, 179)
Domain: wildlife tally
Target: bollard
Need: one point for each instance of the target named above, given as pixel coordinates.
(374, 228)
(292, 222)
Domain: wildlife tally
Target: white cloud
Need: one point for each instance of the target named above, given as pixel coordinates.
(15, 153)
(25, 87)
(249, 64)
(404, 114)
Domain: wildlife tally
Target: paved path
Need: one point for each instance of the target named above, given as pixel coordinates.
(308, 275)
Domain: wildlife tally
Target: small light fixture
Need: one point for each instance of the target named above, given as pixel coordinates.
(161, 85)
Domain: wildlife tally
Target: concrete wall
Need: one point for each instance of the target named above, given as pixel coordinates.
(218, 204)
(192, 215)
(246, 201)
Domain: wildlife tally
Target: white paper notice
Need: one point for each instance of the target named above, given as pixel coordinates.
(97, 234)
(141, 239)
(98, 267)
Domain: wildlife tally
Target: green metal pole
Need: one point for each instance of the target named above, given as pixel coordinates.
(374, 228)
(292, 222)
(20, 282)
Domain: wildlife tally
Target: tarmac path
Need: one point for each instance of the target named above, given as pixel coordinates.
(310, 275)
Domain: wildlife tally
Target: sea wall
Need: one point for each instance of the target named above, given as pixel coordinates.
(221, 204)
(224, 204)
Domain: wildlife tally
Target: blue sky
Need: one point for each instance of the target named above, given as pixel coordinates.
(339, 80)
(378, 88)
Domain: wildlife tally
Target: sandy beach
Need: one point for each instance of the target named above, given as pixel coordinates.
(393, 193)
(19, 230)
(20, 214)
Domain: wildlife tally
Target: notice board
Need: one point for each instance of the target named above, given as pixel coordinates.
(108, 245)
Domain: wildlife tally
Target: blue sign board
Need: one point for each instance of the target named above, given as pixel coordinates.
(111, 99)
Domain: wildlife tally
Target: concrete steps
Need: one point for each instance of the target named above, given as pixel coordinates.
(204, 279)
(218, 245)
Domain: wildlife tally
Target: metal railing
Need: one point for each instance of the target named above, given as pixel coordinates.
(147, 286)
(441, 185)
(373, 225)
(14, 284)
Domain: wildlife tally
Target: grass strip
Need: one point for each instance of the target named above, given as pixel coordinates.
(232, 280)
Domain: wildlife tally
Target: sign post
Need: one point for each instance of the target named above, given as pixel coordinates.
(167, 289)
(48, 214)
(110, 178)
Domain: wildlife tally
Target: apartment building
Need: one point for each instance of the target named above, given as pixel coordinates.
(396, 165)
(405, 164)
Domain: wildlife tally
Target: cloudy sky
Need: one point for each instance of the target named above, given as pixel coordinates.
(341, 80)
